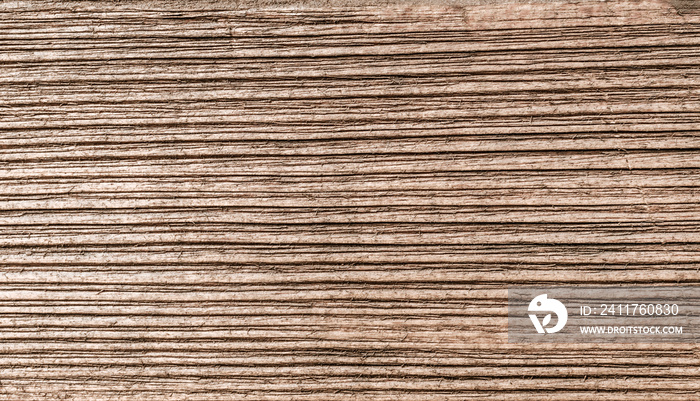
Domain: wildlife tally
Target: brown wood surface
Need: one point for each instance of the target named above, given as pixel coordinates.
(218, 201)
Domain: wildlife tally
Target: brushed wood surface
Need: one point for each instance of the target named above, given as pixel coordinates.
(216, 201)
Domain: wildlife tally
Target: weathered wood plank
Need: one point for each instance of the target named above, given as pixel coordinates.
(212, 200)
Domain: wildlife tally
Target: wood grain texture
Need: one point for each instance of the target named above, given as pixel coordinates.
(215, 201)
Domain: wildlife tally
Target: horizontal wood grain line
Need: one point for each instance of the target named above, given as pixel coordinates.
(269, 46)
(71, 276)
(93, 357)
(240, 184)
(407, 350)
(355, 384)
(666, 213)
(394, 395)
(395, 234)
(154, 149)
(338, 97)
(358, 164)
(489, 354)
(279, 37)
(347, 22)
(99, 371)
(661, 61)
(324, 254)
(278, 131)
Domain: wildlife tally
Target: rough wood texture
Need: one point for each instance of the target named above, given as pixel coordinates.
(205, 201)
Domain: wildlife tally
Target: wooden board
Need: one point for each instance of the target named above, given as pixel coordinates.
(219, 200)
